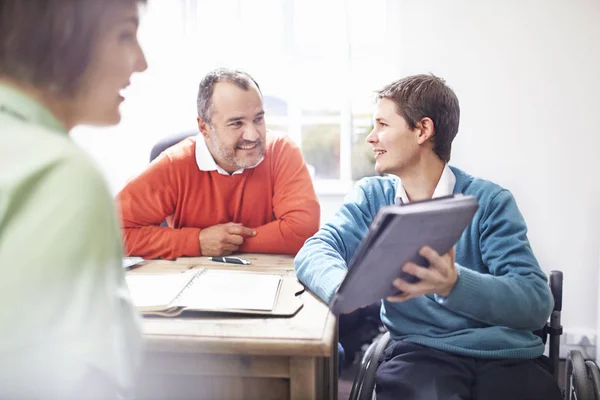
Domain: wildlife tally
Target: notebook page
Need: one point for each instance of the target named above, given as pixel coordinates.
(231, 290)
(128, 262)
(153, 290)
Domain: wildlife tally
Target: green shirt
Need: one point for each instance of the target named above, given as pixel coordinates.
(64, 303)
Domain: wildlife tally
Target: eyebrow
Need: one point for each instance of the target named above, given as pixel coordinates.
(379, 119)
(235, 119)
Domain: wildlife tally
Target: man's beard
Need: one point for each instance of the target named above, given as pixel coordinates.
(228, 155)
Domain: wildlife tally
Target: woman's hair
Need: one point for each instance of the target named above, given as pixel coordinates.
(49, 43)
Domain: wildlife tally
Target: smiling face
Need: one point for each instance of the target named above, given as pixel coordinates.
(115, 57)
(236, 133)
(396, 146)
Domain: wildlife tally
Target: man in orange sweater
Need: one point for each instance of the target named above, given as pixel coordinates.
(235, 187)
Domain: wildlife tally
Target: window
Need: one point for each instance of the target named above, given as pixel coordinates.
(318, 63)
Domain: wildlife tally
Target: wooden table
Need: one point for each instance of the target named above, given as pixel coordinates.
(240, 357)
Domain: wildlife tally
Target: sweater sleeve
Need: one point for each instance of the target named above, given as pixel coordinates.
(322, 263)
(144, 203)
(515, 293)
(295, 205)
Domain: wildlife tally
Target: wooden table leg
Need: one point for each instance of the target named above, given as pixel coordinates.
(303, 382)
(335, 359)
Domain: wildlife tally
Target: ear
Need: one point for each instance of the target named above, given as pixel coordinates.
(426, 130)
(203, 126)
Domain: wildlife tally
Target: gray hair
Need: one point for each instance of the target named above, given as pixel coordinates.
(207, 86)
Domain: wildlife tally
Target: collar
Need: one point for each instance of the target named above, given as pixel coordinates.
(206, 162)
(445, 187)
(17, 104)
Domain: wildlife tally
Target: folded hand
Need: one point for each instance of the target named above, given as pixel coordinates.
(223, 239)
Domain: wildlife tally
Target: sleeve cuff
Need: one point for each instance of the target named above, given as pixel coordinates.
(444, 299)
(330, 284)
(465, 292)
(440, 299)
(190, 242)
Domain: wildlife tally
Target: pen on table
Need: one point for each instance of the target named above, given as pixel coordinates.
(231, 260)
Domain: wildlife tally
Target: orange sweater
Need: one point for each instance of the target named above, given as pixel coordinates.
(276, 198)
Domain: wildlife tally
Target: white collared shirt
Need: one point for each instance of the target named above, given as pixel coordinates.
(206, 161)
(445, 187)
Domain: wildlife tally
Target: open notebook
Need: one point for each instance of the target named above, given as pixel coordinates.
(216, 290)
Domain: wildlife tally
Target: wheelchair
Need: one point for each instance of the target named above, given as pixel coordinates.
(582, 378)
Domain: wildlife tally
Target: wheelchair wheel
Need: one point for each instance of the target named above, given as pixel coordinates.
(594, 375)
(358, 385)
(364, 382)
(577, 384)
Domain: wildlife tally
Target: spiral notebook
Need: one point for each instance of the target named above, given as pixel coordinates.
(213, 290)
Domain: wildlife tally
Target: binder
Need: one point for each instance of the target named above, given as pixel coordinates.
(395, 237)
(215, 290)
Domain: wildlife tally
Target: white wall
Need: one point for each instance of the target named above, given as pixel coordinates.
(527, 74)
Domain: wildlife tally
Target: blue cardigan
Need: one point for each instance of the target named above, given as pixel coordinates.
(501, 294)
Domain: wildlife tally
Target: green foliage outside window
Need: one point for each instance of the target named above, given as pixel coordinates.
(363, 157)
(321, 149)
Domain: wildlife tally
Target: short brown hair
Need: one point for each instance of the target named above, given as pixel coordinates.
(49, 43)
(421, 96)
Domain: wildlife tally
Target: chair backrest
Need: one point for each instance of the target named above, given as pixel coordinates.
(167, 142)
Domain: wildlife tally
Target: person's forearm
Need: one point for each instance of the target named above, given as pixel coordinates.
(515, 293)
(282, 236)
(519, 301)
(322, 263)
(320, 266)
(153, 242)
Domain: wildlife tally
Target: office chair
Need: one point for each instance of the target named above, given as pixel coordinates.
(581, 377)
(167, 142)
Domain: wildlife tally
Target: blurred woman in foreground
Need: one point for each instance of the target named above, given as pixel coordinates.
(67, 326)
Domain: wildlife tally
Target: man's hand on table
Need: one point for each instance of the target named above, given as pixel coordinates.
(223, 239)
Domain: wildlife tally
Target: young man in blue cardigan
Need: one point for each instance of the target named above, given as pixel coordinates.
(465, 330)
